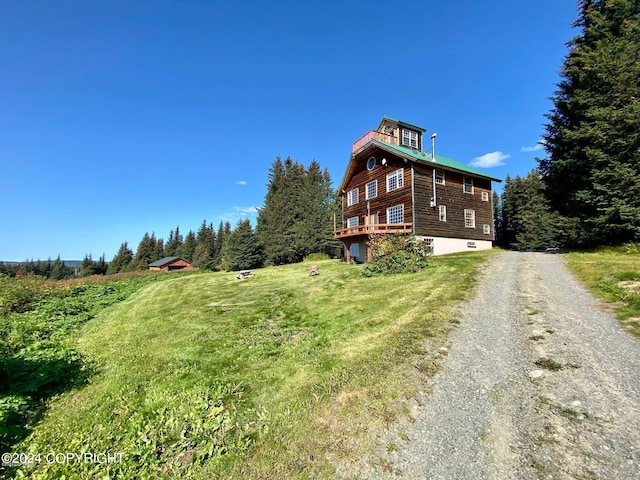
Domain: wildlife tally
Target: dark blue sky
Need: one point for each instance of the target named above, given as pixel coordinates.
(120, 118)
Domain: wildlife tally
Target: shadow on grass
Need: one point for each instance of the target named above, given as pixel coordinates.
(31, 377)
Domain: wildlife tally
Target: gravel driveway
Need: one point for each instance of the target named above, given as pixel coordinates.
(537, 383)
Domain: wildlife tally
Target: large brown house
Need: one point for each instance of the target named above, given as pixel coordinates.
(392, 185)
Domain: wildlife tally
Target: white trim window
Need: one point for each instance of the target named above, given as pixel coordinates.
(409, 138)
(485, 196)
(468, 185)
(352, 197)
(395, 180)
(469, 218)
(486, 229)
(352, 222)
(442, 213)
(371, 190)
(395, 214)
(440, 177)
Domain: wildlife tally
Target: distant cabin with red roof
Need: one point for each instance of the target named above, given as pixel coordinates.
(392, 185)
(171, 264)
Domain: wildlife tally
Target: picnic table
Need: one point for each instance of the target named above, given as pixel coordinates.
(244, 274)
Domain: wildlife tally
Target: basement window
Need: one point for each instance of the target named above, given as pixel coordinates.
(428, 244)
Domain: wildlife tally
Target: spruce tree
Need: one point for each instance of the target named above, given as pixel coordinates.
(297, 216)
(241, 249)
(122, 260)
(592, 171)
(174, 243)
(144, 254)
(188, 247)
(203, 253)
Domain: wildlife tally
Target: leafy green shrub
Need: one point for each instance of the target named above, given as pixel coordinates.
(396, 254)
(17, 294)
(37, 318)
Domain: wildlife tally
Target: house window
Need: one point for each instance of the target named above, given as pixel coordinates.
(485, 196)
(395, 214)
(352, 197)
(443, 213)
(468, 185)
(371, 163)
(440, 177)
(486, 229)
(352, 222)
(372, 189)
(394, 180)
(409, 138)
(428, 244)
(469, 218)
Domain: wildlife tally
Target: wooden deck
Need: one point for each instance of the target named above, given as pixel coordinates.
(364, 140)
(373, 229)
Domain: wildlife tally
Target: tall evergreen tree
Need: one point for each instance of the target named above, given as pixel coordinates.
(526, 221)
(241, 249)
(203, 253)
(592, 171)
(217, 250)
(188, 247)
(296, 218)
(313, 231)
(145, 254)
(174, 243)
(122, 260)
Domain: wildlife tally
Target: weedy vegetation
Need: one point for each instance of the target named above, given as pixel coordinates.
(613, 275)
(204, 376)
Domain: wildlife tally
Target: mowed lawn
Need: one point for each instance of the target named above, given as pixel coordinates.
(276, 376)
(613, 275)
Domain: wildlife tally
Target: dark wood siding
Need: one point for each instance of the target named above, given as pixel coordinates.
(452, 196)
(383, 200)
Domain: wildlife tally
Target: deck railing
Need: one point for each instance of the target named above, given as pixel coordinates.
(375, 228)
(372, 135)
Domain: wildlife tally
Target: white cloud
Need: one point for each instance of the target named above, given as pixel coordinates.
(488, 160)
(245, 209)
(241, 182)
(537, 147)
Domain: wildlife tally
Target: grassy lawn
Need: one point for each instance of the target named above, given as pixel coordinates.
(276, 376)
(613, 275)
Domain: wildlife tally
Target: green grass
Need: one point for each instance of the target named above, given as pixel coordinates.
(613, 275)
(276, 376)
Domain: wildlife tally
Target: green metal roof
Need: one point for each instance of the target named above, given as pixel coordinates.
(419, 156)
(163, 261)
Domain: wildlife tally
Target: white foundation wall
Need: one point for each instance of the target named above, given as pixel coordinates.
(443, 245)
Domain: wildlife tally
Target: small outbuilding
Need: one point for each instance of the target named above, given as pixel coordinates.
(167, 264)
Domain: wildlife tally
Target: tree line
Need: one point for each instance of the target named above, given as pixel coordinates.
(586, 191)
(295, 221)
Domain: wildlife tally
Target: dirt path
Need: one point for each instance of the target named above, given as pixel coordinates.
(538, 383)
